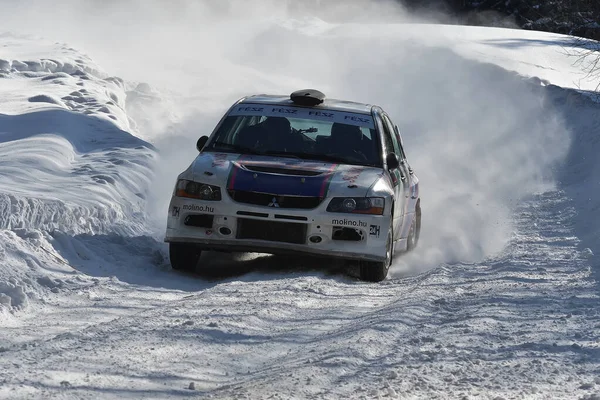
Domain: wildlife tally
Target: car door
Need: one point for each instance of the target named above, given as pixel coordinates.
(397, 175)
(412, 182)
(397, 142)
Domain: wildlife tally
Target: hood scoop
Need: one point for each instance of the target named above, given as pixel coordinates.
(282, 171)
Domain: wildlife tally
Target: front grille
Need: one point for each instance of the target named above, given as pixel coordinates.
(294, 217)
(253, 214)
(288, 232)
(266, 199)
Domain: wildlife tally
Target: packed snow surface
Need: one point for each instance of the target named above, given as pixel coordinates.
(499, 301)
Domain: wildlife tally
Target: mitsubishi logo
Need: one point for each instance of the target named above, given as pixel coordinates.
(273, 203)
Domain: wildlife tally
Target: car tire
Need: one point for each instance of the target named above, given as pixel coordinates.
(377, 271)
(415, 230)
(411, 241)
(418, 214)
(183, 256)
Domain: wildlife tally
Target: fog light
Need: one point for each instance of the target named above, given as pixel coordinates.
(315, 239)
(225, 231)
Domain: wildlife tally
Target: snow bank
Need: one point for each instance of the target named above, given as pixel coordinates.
(70, 160)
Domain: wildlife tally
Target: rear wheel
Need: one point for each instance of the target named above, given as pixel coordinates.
(376, 271)
(411, 241)
(183, 256)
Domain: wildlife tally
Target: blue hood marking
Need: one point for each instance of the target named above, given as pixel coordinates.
(291, 185)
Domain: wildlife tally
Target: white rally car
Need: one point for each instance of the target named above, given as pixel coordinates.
(301, 174)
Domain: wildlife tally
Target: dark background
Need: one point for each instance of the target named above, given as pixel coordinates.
(571, 17)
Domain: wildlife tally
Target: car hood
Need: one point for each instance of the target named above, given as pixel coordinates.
(283, 176)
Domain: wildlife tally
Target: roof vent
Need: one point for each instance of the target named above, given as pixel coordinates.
(307, 97)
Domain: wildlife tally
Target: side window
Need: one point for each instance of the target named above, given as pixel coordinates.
(387, 137)
(389, 130)
(399, 138)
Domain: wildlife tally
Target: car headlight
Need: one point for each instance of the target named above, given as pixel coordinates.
(357, 205)
(197, 190)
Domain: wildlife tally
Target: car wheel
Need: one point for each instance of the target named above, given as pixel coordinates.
(411, 240)
(376, 271)
(184, 257)
(417, 223)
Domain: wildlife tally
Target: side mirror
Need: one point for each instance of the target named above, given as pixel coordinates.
(392, 161)
(201, 142)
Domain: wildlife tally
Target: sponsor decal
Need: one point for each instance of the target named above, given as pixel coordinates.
(322, 114)
(349, 118)
(374, 230)
(194, 207)
(349, 222)
(219, 159)
(357, 119)
(175, 212)
(352, 174)
(284, 110)
(235, 167)
(242, 109)
(326, 182)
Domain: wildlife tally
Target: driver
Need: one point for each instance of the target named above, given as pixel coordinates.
(273, 135)
(346, 140)
(265, 134)
(278, 136)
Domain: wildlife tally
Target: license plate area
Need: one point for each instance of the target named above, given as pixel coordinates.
(286, 232)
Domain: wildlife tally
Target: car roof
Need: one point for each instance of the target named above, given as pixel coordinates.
(327, 104)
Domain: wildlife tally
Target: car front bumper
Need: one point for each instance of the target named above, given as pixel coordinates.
(239, 227)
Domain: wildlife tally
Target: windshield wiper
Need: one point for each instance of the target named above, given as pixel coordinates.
(291, 154)
(236, 147)
(309, 156)
(282, 154)
(249, 150)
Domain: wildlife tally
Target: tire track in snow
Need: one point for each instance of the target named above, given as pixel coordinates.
(498, 328)
(509, 327)
(62, 350)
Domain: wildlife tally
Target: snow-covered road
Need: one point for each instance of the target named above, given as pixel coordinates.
(520, 325)
(500, 301)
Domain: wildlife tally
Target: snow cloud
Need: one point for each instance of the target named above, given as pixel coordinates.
(479, 137)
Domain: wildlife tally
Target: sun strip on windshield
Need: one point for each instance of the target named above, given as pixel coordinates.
(362, 120)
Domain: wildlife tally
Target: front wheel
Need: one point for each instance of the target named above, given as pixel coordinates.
(183, 256)
(376, 271)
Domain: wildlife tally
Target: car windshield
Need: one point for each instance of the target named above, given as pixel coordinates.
(299, 132)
